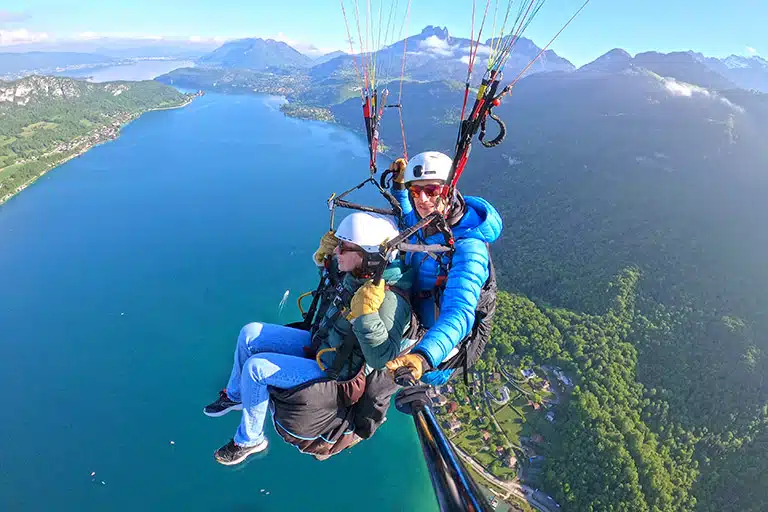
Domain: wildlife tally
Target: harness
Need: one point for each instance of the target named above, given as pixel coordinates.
(332, 294)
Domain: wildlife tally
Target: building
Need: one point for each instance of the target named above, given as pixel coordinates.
(562, 377)
(509, 461)
(529, 452)
(537, 438)
(528, 373)
(454, 425)
(550, 416)
(439, 400)
(486, 436)
(536, 406)
(500, 451)
(452, 407)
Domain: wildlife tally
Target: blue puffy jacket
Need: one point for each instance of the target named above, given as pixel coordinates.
(469, 271)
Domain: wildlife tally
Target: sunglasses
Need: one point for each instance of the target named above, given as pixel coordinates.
(432, 190)
(345, 248)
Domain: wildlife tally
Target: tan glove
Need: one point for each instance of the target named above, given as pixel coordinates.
(413, 361)
(398, 169)
(327, 244)
(367, 299)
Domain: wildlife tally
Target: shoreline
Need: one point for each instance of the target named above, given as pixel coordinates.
(87, 148)
(190, 100)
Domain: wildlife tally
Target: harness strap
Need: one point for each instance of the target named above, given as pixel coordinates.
(343, 356)
(414, 330)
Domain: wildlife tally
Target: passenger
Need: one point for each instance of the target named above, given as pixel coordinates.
(372, 318)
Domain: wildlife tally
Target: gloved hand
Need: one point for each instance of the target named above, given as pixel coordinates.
(415, 362)
(398, 170)
(327, 244)
(367, 299)
(412, 399)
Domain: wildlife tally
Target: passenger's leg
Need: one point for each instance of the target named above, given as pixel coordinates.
(257, 337)
(260, 371)
(254, 338)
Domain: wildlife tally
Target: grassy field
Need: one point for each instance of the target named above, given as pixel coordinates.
(30, 129)
(470, 440)
(510, 422)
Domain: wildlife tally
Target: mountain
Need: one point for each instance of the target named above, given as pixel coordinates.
(614, 61)
(39, 91)
(255, 54)
(746, 72)
(237, 81)
(328, 56)
(15, 65)
(435, 55)
(683, 66)
(689, 67)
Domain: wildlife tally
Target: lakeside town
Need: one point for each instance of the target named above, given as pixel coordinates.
(502, 424)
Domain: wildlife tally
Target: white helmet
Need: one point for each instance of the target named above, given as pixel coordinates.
(430, 165)
(368, 230)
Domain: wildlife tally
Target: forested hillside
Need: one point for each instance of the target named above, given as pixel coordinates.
(44, 120)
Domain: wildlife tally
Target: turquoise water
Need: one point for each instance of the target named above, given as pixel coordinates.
(126, 275)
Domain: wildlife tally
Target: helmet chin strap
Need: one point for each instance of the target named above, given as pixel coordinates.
(372, 264)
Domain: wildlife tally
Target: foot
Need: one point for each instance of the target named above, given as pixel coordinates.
(231, 454)
(222, 406)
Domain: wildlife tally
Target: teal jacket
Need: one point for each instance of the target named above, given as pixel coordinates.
(379, 335)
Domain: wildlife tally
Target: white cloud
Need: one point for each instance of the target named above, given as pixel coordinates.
(24, 36)
(134, 36)
(304, 47)
(689, 91)
(484, 50)
(683, 89)
(751, 51)
(434, 44)
(203, 39)
(20, 36)
(89, 36)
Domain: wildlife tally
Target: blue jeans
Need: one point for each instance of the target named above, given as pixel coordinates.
(266, 355)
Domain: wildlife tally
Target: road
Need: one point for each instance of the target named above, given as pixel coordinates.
(521, 491)
(493, 416)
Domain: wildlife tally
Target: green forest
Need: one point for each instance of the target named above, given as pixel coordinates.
(608, 454)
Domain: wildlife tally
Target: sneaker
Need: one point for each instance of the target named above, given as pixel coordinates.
(231, 454)
(222, 406)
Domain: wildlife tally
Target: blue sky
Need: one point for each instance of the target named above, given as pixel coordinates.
(712, 27)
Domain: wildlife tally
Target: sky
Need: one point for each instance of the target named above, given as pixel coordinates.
(715, 28)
